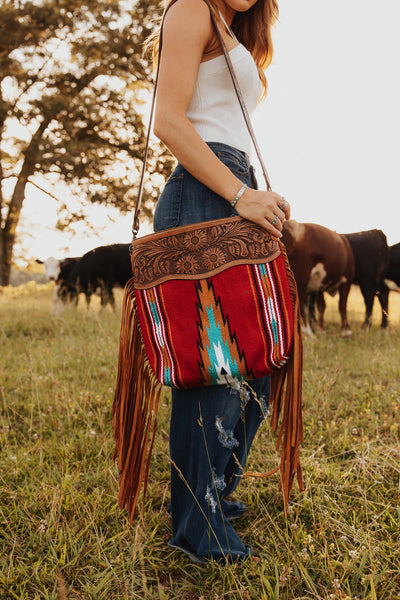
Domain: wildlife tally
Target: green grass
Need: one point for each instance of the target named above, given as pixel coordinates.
(62, 534)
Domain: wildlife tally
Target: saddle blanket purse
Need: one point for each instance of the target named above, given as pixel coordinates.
(214, 303)
(209, 303)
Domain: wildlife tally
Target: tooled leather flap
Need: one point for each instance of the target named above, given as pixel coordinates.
(200, 250)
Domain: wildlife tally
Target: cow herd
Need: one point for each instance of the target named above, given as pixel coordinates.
(321, 259)
(96, 272)
(325, 261)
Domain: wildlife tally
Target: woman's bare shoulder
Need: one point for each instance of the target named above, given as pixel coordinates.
(190, 17)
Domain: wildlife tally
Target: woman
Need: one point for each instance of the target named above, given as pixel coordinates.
(198, 117)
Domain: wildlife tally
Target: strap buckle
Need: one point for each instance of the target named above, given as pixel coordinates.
(135, 230)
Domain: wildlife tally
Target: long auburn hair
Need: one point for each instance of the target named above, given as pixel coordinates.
(253, 29)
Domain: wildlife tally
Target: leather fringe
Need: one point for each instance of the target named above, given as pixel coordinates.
(137, 397)
(135, 407)
(289, 402)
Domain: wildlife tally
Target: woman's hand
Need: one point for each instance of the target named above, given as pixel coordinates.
(267, 209)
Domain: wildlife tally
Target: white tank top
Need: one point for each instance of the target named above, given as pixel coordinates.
(215, 111)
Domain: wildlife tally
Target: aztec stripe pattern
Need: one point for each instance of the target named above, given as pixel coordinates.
(194, 338)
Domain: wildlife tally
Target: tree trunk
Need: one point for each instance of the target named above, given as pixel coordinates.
(9, 229)
(4, 270)
(8, 233)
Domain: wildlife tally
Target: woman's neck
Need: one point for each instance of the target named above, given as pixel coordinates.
(227, 12)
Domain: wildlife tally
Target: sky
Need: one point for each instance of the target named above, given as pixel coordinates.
(330, 127)
(329, 130)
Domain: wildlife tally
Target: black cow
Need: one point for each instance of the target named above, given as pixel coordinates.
(371, 257)
(392, 273)
(104, 267)
(391, 277)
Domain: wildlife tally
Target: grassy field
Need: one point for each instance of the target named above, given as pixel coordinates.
(63, 535)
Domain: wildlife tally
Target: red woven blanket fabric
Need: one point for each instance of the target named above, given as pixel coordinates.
(217, 330)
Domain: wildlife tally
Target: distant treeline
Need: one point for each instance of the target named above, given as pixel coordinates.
(21, 276)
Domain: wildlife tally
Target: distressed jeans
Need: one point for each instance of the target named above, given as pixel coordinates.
(212, 428)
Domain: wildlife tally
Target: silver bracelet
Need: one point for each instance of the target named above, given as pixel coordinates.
(239, 195)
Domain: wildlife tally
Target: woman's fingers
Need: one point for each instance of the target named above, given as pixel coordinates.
(274, 230)
(278, 216)
(267, 209)
(285, 207)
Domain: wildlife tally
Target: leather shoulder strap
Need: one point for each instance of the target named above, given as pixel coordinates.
(135, 226)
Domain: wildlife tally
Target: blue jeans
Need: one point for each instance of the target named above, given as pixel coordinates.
(212, 428)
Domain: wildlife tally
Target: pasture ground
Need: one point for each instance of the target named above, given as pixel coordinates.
(63, 536)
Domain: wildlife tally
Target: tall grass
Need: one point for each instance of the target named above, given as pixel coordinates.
(63, 535)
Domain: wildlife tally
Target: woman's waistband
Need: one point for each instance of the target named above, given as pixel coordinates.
(220, 147)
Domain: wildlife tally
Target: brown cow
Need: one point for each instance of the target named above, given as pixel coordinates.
(372, 266)
(321, 260)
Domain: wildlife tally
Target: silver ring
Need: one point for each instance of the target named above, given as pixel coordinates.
(284, 203)
(274, 220)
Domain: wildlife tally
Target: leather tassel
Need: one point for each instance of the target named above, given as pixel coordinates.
(135, 407)
(288, 402)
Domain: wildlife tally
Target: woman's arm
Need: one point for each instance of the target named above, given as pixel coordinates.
(187, 33)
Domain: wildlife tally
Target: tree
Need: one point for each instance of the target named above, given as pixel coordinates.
(72, 77)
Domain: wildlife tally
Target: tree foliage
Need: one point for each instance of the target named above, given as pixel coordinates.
(72, 81)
